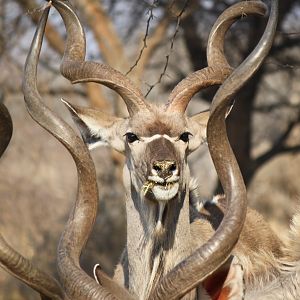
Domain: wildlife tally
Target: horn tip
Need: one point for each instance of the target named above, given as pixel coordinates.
(69, 106)
(96, 267)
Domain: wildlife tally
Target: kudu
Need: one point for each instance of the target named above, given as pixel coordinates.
(173, 251)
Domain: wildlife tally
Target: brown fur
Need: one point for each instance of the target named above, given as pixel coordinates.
(292, 248)
(258, 253)
(157, 122)
(161, 150)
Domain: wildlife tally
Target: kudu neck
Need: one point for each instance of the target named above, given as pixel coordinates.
(151, 254)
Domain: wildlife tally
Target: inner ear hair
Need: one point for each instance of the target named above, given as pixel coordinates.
(201, 118)
(91, 122)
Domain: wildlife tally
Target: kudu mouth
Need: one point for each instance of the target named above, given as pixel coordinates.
(161, 187)
(162, 183)
(161, 190)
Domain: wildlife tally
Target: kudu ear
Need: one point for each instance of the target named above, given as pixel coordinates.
(199, 123)
(197, 126)
(98, 128)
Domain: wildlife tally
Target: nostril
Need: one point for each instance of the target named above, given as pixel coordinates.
(156, 167)
(173, 167)
(164, 168)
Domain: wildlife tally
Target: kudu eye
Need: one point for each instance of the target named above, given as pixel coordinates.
(185, 136)
(131, 137)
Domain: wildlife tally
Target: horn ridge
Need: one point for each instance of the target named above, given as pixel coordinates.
(76, 69)
(217, 62)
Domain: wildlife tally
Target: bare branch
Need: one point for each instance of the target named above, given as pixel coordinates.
(56, 42)
(153, 42)
(269, 107)
(95, 94)
(105, 34)
(54, 38)
(279, 147)
(297, 33)
(163, 73)
(283, 66)
(150, 18)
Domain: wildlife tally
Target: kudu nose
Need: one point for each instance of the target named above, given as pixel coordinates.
(164, 168)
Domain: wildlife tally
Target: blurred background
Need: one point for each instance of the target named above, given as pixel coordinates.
(157, 43)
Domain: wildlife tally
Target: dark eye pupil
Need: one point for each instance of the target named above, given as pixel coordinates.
(131, 137)
(185, 137)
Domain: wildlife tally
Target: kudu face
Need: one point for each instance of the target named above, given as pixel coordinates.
(156, 144)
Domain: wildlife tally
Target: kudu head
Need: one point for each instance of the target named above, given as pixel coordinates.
(156, 141)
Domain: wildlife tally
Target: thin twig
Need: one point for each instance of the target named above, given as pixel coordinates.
(279, 146)
(283, 66)
(163, 73)
(150, 18)
(269, 107)
(289, 33)
(39, 8)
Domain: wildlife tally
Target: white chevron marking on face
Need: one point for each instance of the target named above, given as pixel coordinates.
(158, 136)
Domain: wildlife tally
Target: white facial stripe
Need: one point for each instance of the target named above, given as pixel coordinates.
(171, 139)
(151, 138)
(158, 136)
(97, 144)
